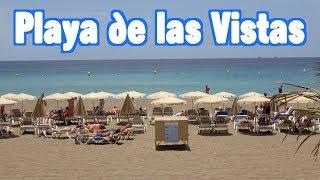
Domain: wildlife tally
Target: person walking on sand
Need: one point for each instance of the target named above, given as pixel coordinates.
(207, 89)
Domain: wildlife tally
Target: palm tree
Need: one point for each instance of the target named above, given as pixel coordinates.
(315, 96)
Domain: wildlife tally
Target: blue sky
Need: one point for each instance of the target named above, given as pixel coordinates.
(308, 10)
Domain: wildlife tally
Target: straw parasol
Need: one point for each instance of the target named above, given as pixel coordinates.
(80, 109)
(160, 94)
(24, 97)
(128, 107)
(71, 95)
(250, 94)
(211, 100)
(57, 97)
(301, 100)
(132, 94)
(225, 95)
(96, 96)
(4, 101)
(168, 101)
(193, 95)
(235, 107)
(9, 96)
(105, 95)
(254, 99)
(39, 108)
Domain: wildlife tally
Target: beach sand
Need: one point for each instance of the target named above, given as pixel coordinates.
(235, 156)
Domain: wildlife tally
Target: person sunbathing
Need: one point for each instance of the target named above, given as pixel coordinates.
(99, 130)
(94, 127)
(303, 121)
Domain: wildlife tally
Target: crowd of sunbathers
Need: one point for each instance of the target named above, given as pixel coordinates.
(100, 131)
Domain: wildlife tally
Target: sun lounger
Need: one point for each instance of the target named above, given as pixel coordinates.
(220, 123)
(102, 119)
(138, 124)
(16, 117)
(27, 125)
(66, 132)
(157, 111)
(309, 124)
(205, 124)
(90, 117)
(43, 124)
(73, 120)
(242, 122)
(262, 123)
(192, 115)
(123, 118)
(87, 139)
(285, 121)
(168, 111)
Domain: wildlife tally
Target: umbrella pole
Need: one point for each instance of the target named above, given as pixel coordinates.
(162, 110)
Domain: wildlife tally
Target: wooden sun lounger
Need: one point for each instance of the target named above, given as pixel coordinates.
(205, 124)
(239, 125)
(138, 124)
(263, 127)
(192, 116)
(220, 123)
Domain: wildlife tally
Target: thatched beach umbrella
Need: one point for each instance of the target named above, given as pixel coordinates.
(235, 107)
(71, 94)
(160, 94)
(301, 100)
(132, 94)
(80, 109)
(225, 95)
(57, 97)
(168, 101)
(24, 97)
(10, 96)
(96, 96)
(128, 107)
(253, 100)
(39, 108)
(249, 94)
(193, 95)
(211, 100)
(4, 101)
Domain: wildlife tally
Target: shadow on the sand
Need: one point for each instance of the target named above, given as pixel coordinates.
(261, 133)
(182, 147)
(217, 133)
(8, 137)
(306, 132)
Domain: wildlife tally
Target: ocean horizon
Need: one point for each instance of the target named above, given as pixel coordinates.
(151, 75)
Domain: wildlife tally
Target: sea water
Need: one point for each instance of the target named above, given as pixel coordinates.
(115, 76)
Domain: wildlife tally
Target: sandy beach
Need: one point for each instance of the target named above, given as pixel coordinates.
(234, 156)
